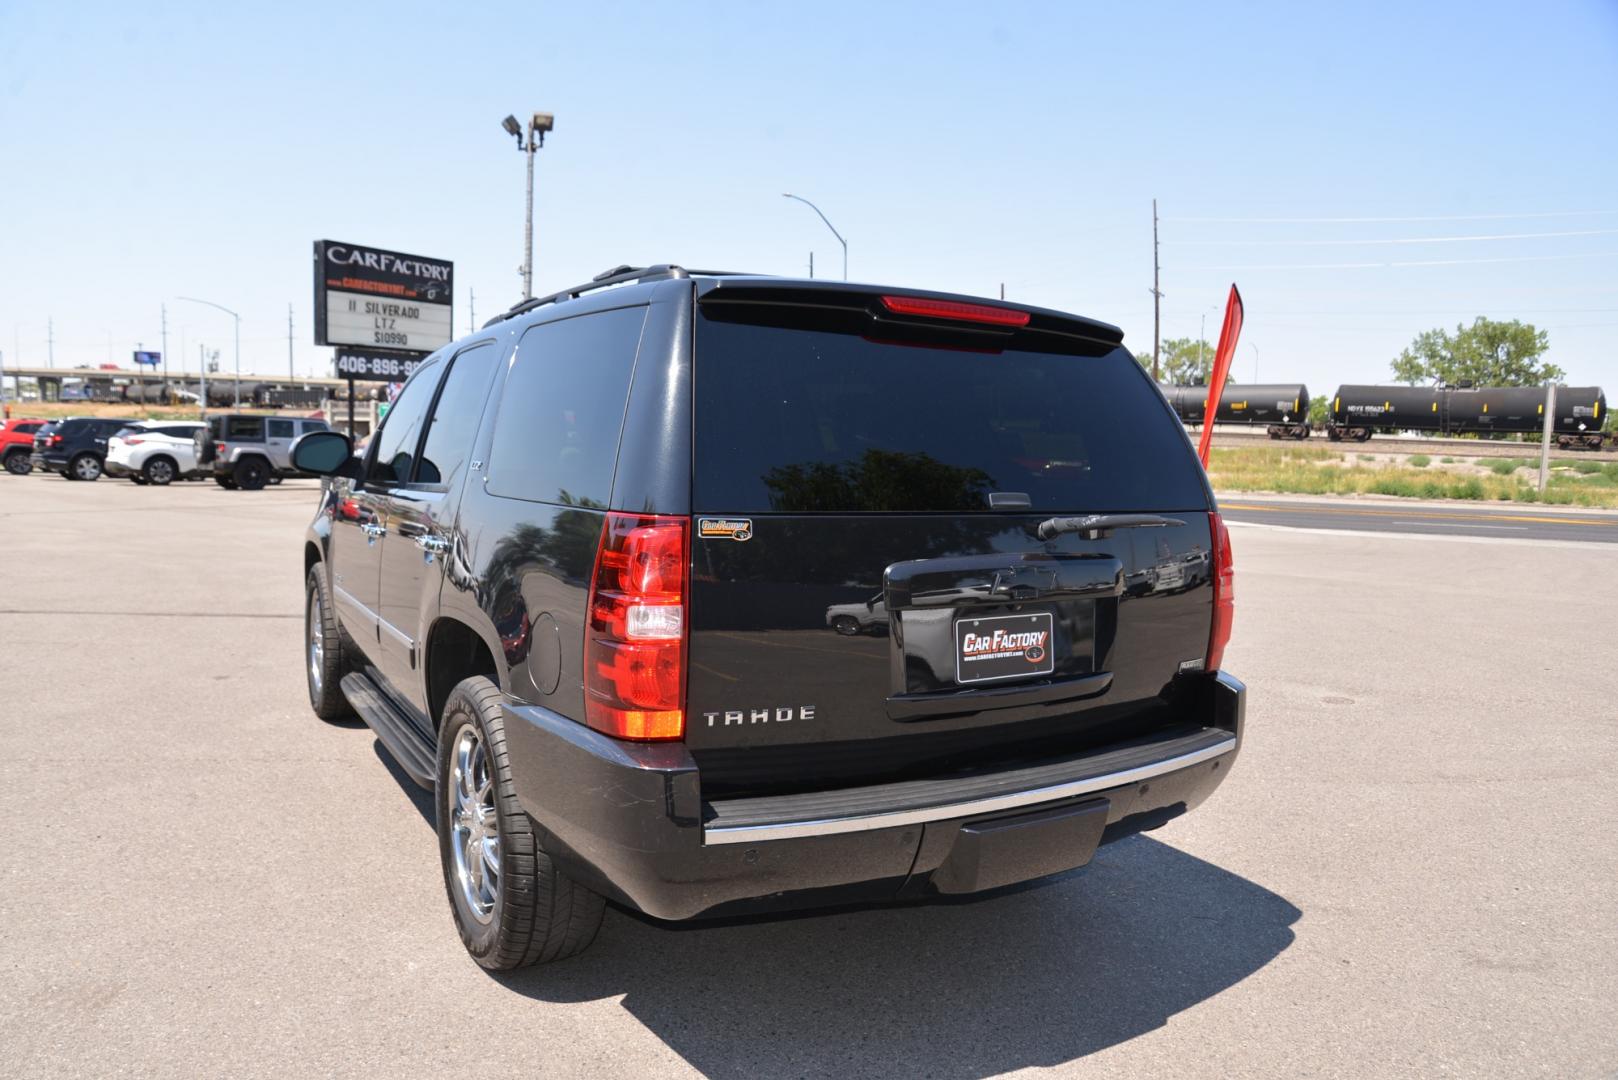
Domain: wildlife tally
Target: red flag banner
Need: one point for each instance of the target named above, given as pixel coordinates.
(1221, 370)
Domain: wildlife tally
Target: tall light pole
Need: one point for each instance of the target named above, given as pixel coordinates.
(238, 319)
(1157, 299)
(829, 225)
(538, 125)
(1250, 345)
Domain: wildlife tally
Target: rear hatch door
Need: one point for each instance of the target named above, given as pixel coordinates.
(872, 597)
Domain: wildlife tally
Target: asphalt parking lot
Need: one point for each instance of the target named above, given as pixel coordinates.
(1411, 871)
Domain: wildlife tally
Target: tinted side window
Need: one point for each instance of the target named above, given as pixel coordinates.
(562, 410)
(455, 419)
(244, 428)
(280, 429)
(27, 429)
(401, 430)
(316, 425)
(181, 432)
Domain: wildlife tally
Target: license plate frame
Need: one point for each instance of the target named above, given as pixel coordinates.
(993, 661)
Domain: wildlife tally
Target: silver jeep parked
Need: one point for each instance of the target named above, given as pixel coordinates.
(247, 451)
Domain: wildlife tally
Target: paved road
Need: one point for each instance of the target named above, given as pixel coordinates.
(1447, 518)
(1410, 872)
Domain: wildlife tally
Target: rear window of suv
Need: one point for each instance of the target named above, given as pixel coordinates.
(791, 420)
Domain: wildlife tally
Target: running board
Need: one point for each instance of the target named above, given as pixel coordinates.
(415, 755)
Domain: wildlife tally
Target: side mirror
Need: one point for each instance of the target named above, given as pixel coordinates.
(326, 453)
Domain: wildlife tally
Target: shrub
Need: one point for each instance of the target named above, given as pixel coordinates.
(1420, 461)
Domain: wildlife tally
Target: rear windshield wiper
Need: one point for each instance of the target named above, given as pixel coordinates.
(1091, 526)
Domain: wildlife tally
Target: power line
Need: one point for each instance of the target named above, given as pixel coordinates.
(1398, 240)
(1385, 265)
(1364, 220)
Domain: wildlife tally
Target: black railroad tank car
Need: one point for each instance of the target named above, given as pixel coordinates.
(1358, 410)
(1521, 410)
(1284, 408)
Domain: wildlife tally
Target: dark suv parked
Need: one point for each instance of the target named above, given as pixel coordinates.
(76, 447)
(579, 584)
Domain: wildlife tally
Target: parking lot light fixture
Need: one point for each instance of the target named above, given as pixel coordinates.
(238, 318)
(829, 225)
(538, 125)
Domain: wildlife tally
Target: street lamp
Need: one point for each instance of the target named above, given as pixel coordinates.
(538, 125)
(238, 319)
(1250, 345)
(829, 225)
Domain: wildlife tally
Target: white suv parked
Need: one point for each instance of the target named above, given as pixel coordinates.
(154, 451)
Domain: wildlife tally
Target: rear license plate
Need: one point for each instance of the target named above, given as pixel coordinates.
(1004, 647)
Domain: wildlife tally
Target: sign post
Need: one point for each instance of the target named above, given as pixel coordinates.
(1545, 440)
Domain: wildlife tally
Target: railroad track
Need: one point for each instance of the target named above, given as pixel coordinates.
(1400, 444)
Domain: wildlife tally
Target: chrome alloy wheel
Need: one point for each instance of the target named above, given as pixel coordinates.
(317, 645)
(474, 833)
(86, 467)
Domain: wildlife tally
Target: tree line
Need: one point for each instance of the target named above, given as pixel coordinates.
(1489, 352)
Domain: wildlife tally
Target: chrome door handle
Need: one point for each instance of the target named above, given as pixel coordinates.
(373, 530)
(432, 545)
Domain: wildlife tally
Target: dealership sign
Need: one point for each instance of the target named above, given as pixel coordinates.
(375, 299)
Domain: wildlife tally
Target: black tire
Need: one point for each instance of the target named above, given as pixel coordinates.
(18, 463)
(160, 470)
(324, 673)
(251, 473)
(537, 914)
(846, 625)
(225, 482)
(86, 467)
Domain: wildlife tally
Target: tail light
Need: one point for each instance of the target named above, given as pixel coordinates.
(134, 440)
(219, 448)
(634, 642)
(56, 440)
(955, 310)
(1224, 583)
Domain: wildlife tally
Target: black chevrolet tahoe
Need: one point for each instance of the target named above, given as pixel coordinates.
(579, 584)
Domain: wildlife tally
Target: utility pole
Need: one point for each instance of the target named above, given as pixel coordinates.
(50, 342)
(472, 311)
(1002, 290)
(1545, 440)
(811, 266)
(290, 373)
(202, 366)
(1157, 299)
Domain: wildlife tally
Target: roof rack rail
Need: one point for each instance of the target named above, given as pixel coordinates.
(618, 275)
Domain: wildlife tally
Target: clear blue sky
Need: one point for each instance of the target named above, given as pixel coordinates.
(148, 152)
